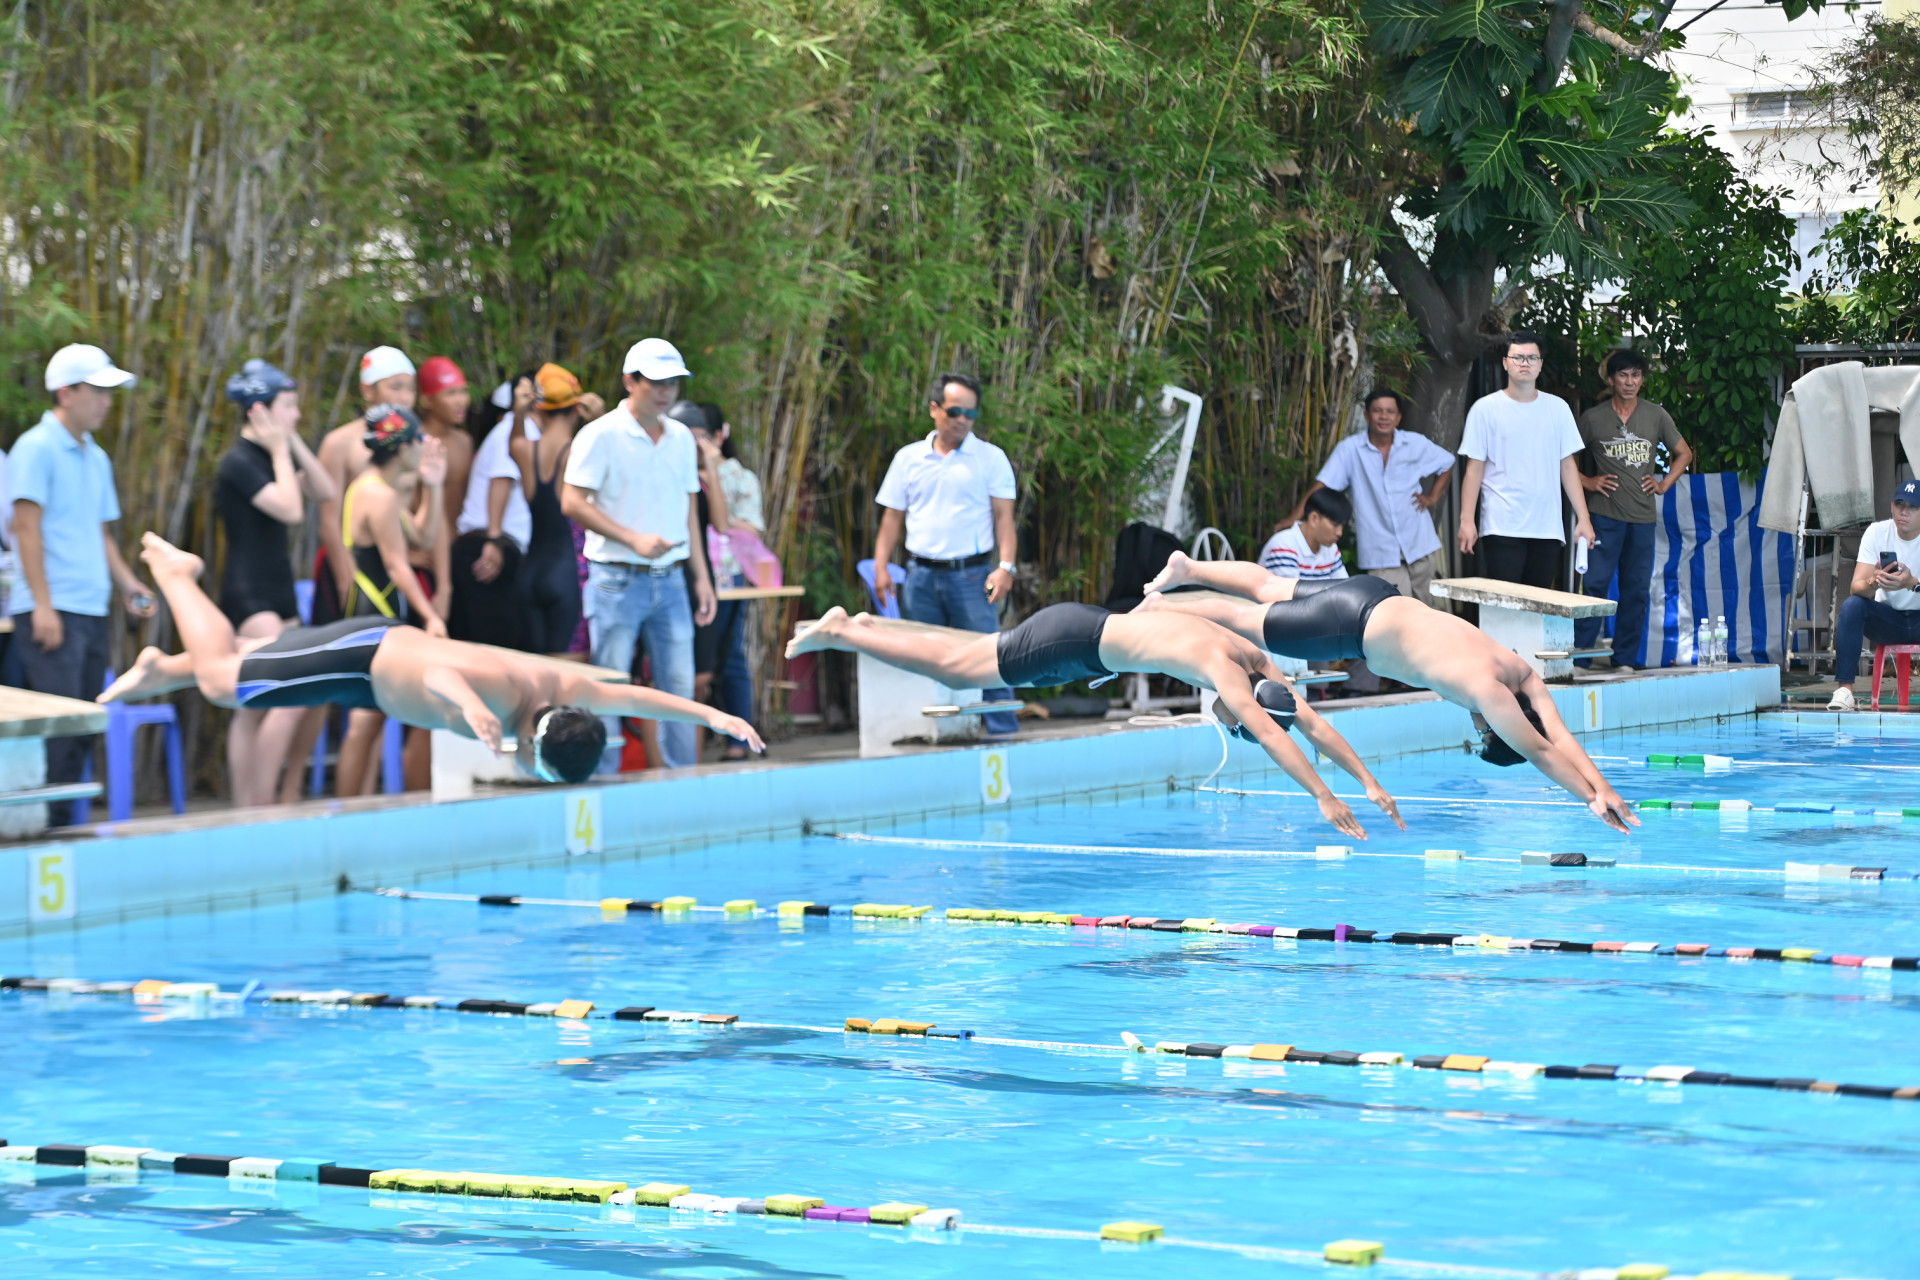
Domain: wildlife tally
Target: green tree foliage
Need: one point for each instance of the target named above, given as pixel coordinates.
(1869, 88)
(1865, 284)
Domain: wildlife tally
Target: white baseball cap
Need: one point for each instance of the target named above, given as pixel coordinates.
(82, 363)
(656, 360)
(383, 362)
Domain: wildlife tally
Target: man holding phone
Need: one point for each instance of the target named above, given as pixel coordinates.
(1884, 606)
(633, 478)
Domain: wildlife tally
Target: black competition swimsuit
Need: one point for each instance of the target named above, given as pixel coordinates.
(549, 575)
(307, 666)
(1056, 646)
(1325, 621)
(373, 592)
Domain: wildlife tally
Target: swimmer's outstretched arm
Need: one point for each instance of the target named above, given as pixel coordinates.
(1559, 755)
(1230, 681)
(1314, 728)
(606, 699)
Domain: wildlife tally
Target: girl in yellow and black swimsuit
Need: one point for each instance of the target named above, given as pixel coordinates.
(379, 530)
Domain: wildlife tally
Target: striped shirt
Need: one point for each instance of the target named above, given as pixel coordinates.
(1287, 555)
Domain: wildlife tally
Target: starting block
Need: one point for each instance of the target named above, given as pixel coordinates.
(1534, 622)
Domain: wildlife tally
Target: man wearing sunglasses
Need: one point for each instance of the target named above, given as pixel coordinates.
(949, 498)
(1520, 448)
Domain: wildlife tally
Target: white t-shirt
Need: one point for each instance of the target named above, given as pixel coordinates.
(6, 523)
(1522, 445)
(948, 499)
(492, 461)
(1880, 536)
(1287, 555)
(639, 484)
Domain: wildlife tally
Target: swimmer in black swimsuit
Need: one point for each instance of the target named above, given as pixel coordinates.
(552, 708)
(1067, 642)
(1404, 640)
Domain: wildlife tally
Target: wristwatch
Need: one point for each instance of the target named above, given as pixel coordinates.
(1006, 566)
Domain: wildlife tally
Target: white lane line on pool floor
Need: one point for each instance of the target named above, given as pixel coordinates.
(1154, 851)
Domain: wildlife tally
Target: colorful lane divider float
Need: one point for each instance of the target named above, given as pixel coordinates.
(581, 1010)
(134, 1162)
(745, 907)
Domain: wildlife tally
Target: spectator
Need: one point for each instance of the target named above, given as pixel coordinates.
(260, 489)
(719, 648)
(631, 481)
(386, 377)
(1381, 471)
(494, 528)
(549, 581)
(64, 506)
(9, 577)
(1884, 604)
(1518, 443)
(949, 497)
(1309, 548)
(1621, 483)
(442, 405)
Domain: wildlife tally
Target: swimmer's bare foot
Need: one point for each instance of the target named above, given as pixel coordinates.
(144, 675)
(1152, 602)
(1178, 573)
(164, 558)
(820, 635)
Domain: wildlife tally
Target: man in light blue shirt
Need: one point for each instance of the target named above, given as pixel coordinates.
(64, 506)
(1393, 478)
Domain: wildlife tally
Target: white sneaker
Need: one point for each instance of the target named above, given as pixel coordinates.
(1842, 700)
(1623, 668)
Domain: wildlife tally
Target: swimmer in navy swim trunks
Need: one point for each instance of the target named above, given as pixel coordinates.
(1067, 642)
(1403, 639)
(474, 690)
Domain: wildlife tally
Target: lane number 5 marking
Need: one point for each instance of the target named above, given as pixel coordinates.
(50, 885)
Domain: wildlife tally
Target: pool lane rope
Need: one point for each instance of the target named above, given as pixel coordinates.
(746, 907)
(582, 1010)
(623, 1200)
(1722, 806)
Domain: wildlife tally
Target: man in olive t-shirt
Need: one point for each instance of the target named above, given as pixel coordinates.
(1620, 474)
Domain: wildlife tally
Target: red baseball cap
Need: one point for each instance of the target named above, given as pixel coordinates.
(440, 374)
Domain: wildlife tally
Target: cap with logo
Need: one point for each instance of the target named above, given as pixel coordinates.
(558, 388)
(389, 428)
(79, 363)
(1908, 494)
(656, 360)
(440, 374)
(382, 363)
(257, 383)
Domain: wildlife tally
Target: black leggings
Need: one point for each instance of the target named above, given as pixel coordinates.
(1531, 562)
(550, 596)
(1325, 621)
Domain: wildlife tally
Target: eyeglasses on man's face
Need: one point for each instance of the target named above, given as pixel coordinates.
(1532, 359)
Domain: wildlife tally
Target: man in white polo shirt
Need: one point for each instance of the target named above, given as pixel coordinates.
(950, 497)
(632, 479)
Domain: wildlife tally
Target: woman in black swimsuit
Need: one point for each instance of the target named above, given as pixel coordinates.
(549, 578)
(259, 490)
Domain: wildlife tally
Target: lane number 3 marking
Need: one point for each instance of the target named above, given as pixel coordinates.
(995, 785)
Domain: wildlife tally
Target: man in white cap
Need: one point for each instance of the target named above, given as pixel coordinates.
(386, 377)
(633, 477)
(64, 506)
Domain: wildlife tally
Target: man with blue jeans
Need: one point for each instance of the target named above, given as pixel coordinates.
(1883, 601)
(64, 506)
(1623, 482)
(632, 481)
(949, 497)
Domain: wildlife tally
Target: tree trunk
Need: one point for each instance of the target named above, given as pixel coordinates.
(1452, 308)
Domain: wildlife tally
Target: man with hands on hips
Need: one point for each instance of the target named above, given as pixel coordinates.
(949, 497)
(1884, 604)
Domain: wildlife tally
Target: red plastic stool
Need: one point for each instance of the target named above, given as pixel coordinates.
(1902, 655)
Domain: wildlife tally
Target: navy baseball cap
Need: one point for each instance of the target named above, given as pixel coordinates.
(1908, 493)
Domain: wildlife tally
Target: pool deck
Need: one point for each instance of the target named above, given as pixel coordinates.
(203, 862)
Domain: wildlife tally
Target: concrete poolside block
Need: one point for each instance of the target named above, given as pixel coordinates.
(254, 1167)
(115, 1157)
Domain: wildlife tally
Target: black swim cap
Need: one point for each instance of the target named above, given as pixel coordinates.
(389, 429)
(1279, 702)
(257, 383)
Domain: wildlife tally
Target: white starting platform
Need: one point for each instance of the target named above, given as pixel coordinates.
(27, 720)
(1534, 622)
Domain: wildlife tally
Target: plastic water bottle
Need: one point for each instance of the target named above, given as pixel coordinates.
(1703, 644)
(1720, 641)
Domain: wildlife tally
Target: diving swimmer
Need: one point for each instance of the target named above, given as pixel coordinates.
(1404, 640)
(1067, 642)
(474, 690)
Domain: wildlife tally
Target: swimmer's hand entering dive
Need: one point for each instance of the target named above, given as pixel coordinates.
(735, 727)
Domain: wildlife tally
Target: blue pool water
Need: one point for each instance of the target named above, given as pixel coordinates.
(1528, 1175)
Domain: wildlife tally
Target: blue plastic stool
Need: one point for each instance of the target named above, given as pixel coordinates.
(393, 773)
(122, 719)
(892, 608)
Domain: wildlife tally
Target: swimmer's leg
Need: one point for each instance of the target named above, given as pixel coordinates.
(955, 662)
(1248, 621)
(212, 647)
(1242, 578)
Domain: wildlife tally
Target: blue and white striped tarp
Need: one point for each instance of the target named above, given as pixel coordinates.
(1712, 558)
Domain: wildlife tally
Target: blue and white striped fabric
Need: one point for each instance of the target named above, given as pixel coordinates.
(1712, 558)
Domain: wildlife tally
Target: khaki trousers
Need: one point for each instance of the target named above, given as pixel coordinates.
(1415, 579)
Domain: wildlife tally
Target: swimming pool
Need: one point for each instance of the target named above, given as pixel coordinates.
(1467, 1172)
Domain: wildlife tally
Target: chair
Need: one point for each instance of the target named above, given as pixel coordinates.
(1902, 655)
(122, 719)
(892, 608)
